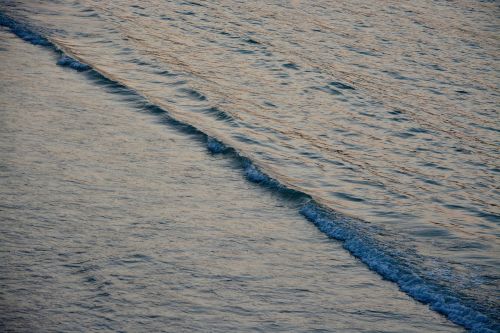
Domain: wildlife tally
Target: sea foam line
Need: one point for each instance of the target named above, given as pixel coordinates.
(361, 246)
(333, 224)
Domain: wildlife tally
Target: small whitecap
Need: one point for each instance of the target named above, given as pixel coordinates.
(255, 175)
(66, 61)
(215, 146)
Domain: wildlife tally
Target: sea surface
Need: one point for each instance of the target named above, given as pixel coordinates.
(367, 131)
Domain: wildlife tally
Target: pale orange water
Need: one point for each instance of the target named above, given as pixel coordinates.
(382, 111)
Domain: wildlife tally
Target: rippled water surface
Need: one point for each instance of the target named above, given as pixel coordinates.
(383, 112)
(112, 221)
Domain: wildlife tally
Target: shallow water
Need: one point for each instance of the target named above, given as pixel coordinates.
(115, 221)
(385, 113)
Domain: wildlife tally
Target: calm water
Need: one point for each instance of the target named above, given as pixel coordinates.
(382, 113)
(112, 221)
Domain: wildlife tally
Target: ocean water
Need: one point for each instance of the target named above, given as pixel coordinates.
(118, 221)
(375, 121)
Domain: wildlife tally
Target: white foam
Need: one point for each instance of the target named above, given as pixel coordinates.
(215, 146)
(368, 251)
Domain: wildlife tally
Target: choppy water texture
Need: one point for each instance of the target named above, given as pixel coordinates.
(384, 113)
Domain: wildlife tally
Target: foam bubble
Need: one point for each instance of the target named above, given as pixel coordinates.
(253, 174)
(215, 146)
(67, 61)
